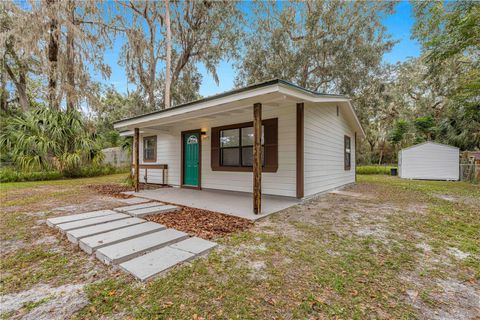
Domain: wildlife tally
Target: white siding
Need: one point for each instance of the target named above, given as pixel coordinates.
(429, 161)
(324, 149)
(282, 182)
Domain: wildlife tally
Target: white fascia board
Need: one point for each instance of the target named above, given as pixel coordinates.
(195, 107)
(305, 96)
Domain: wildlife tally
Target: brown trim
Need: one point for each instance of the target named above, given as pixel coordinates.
(182, 163)
(270, 146)
(136, 142)
(345, 165)
(355, 162)
(153, 166)
(154, 149)
(257, 158)
(300, 150)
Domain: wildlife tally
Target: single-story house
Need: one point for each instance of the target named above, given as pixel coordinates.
(272, 138)
(429, 161)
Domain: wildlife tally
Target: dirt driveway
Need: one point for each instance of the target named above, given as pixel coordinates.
(391, 249)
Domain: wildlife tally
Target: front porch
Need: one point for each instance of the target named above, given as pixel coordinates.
(233, 203)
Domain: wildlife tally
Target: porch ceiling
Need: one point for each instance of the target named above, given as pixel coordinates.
(237, 204)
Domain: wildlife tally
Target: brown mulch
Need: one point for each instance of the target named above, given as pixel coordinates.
(201, 223)
(113, 190)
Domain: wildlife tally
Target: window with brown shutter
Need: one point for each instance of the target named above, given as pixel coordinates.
(150, 149)
(347, 153)
(232, 147)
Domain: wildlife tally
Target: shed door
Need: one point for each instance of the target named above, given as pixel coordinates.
(191, 158)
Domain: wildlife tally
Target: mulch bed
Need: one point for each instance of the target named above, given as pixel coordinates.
(113, 190)
(201, 223)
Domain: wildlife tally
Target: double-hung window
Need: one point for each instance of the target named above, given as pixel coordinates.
(236, 147)
(347, 153)
(150, 149)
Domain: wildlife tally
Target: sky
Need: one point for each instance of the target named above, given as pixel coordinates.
(399, 26)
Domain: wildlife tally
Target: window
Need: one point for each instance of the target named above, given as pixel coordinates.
(150, 149)
(232, 147)
(236, 147)
(347, 153)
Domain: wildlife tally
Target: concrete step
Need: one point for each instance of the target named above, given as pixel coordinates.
(76, 217)
(93, 243)
(155, 262)
(152, 210)
(90, 222)
(75, 235)
(126, 250)
(138, 206)
(194, 245)
(134, 200)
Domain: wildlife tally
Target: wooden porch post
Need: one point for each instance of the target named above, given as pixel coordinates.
(136, 159)
(257, 158)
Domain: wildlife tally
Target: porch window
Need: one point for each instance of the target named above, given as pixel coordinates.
(347, 153)
(236, 147)
(150, 149)
(232, 147)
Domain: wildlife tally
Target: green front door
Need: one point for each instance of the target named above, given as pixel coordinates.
(191, 158)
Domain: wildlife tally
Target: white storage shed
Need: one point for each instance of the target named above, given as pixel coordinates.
(429, 161)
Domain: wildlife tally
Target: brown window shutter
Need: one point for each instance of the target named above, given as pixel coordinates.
(271, 145)
(215, 146)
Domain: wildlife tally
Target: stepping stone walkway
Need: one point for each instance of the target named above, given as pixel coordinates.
(121, 238)
(134, 200)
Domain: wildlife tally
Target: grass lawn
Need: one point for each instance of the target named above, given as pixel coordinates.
(400, 249)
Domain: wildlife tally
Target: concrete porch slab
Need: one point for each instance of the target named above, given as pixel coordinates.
(126, 250)
(76, 234)
(133, 200)
(152, 210)
(138, 206)
(155, 262)
(92, 243)
(76, 217)
(238, 204)
(90, 222)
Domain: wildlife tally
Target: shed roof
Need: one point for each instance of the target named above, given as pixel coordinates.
(429, 142)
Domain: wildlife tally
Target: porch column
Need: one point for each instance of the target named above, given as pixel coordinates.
(136, 159)
(257, 158)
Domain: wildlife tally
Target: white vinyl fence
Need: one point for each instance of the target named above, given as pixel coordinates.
(116, 157)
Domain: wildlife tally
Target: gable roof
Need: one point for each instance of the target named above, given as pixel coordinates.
(429, 142)
(257, 89)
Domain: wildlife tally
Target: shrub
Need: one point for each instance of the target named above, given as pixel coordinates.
(12, 175)
(374, 169)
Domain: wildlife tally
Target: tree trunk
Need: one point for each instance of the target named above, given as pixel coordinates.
(71, 105)
(52, 59)
(20, 85)
(169, 55)
(3, 93)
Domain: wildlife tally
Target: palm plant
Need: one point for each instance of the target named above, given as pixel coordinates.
(44, 139)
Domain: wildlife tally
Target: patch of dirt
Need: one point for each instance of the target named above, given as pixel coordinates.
(113, 190)
(201, 223)
(450, 300)
(54, 303)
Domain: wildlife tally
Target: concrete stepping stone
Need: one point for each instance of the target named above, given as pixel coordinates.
(93, 243)
(134, 200)
(90, 222)
(155, 262)
(194, 245)
(75, 217)
(76, 234)
(138, 206)
(152, 210)
(126, 250)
